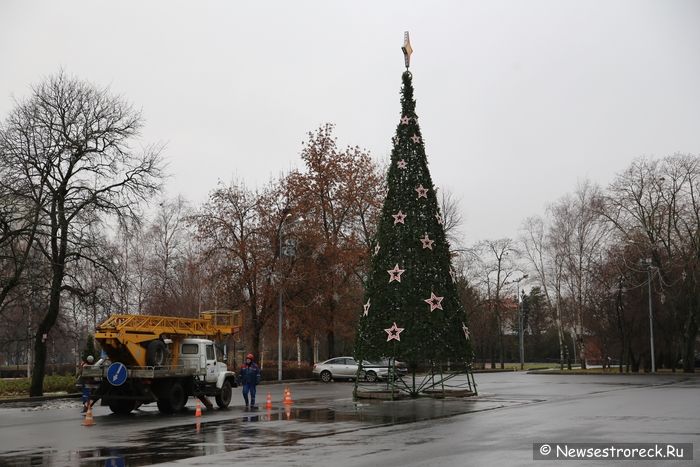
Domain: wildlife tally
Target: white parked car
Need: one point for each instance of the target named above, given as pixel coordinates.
(346, 368)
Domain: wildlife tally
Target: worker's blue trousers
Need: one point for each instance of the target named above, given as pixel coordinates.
(249, 388)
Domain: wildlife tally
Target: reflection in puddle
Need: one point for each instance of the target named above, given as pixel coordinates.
(278, 427)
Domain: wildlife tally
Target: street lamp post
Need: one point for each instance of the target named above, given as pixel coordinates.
(280, 311)
(279, 337)
(651, 318)
(521, 334)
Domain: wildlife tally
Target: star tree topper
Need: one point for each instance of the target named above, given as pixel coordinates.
(407, 49)
(393, 332)
(401, 164)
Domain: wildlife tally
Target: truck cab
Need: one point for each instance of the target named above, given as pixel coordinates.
(204, 356)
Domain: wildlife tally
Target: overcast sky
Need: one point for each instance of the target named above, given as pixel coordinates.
(518, 100)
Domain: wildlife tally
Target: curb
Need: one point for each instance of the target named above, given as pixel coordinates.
(286, 381)
(75, 395)
(612, 373)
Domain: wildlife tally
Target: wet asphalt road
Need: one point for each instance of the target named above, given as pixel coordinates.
(325, 426)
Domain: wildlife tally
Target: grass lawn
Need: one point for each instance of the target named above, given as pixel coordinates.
(516, 366)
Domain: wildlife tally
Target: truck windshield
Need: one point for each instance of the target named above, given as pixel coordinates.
(190, 349)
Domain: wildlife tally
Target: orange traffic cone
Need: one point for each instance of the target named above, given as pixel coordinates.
(288, 396)
(198, 410)
(88, 421)
(268, 404)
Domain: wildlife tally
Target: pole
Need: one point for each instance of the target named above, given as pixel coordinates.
(651, 322)
(520, 320)
(279, 340)
(29, 339)
(279, 320)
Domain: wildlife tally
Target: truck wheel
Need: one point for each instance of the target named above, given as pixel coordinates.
(223, 399)
(122, 406)
(172, 399)
(178, 398)
(155, 353)
(164, 406)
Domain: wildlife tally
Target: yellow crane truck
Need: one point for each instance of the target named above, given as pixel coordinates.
(162, 359)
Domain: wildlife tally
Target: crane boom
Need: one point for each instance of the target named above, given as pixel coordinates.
(123, 336)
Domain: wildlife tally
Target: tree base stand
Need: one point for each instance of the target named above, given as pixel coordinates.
(438, 394)
(434, 382)
(380, 394)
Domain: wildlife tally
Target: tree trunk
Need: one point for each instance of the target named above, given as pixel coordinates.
(581, 350)
(255, 334)
(563, 354)
(622, 355)
(690, 336)
(37, 386)
(39, 370)
(308, 343)
(298, 352)
(562, 347)
(330, 337)
(501, 356)
(634, 362)
(59, 242)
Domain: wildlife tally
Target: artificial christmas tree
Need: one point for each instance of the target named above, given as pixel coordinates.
(412, 312)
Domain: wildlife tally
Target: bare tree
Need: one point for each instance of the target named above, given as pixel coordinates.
(452, 220)
(137, 251)
(655, 206)
(17, 236)
(497, 266)
(538, 249)
(167, 235)
(579, 235)
(69, 142)
(19, 216)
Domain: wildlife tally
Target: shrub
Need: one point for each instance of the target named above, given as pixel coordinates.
(20, 386)
(270, 374)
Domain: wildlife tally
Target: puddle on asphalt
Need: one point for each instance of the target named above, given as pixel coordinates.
(277, 427)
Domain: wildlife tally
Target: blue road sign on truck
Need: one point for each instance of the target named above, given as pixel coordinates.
(116, 374)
